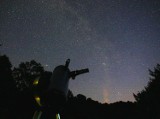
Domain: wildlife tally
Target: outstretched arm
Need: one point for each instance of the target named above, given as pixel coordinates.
(73, 74)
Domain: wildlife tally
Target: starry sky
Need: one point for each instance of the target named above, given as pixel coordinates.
(118, 40)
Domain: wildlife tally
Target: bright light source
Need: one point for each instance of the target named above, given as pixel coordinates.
(36, 81)
(38, 100)
(57, 116)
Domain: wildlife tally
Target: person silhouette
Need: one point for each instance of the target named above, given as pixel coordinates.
(54, 98)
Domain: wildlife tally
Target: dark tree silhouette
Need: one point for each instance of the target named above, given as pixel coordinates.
(7, 87)
(149, 98)
(5, 73)
(81, 98)
(26, 73)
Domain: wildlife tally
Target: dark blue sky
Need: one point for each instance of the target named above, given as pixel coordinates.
(118, 40)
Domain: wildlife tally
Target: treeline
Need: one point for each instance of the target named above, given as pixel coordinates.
(17, 100)
(81, 108)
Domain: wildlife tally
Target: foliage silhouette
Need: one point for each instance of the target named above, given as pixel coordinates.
(26, 73)
(148, 99)
(7, 88)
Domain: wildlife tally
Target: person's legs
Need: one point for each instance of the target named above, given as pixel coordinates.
(37, 115)
(48, 114)
(54, 101)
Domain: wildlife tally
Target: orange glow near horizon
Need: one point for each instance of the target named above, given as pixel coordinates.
(105, 96)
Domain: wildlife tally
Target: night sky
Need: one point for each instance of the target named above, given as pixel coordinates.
(118, 40)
